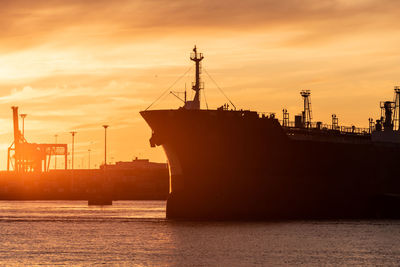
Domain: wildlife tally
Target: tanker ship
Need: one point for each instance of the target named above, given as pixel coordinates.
(244, 165)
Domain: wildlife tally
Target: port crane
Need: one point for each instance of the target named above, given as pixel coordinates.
(31, 157)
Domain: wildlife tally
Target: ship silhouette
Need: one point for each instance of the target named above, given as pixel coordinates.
(241, 164)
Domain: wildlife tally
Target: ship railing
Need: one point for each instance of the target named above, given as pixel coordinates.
(353, 129)
(267, 114)
(327, 127)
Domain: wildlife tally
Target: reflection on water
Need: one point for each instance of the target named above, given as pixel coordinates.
(137, 233)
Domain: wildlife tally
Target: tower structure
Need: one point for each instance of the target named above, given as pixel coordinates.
(307, 113)
(335, 122)
(285, 118)
(371, 125)
(387, 108)
(396, 115)
(197, 85)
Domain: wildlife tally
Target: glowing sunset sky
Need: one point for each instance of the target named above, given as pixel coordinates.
(75, 65)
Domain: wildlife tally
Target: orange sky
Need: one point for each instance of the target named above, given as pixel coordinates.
(75, 65)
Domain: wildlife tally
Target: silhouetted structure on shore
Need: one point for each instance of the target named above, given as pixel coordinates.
(25, 157)
(136, 181)
(240, 164)
(28, 175)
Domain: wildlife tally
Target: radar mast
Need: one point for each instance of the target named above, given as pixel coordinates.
(197, 85)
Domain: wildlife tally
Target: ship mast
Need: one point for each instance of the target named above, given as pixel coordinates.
(396, 117)
(306, 114)
(196, 86)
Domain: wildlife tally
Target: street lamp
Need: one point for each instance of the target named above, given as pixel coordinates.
(23, 116)
(73, 141)
(55, 156)
(105, 145)
(89, 158)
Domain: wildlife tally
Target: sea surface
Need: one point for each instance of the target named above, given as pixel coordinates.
(136, 233)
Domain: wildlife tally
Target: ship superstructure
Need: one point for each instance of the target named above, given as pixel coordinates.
(249, 165)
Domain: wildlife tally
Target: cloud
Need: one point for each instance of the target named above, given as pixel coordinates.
(68, 23)
(27, 93)
(69, 107)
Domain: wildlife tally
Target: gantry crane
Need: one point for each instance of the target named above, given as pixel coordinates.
(31, 157)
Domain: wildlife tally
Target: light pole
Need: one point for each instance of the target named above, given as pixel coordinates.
(105, 145)
(89, 158)
(55, 156)
(73, 141)
(23, 116)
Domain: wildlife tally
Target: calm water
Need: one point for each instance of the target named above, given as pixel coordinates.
(136, 233)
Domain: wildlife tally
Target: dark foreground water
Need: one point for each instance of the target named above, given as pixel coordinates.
(136, 233)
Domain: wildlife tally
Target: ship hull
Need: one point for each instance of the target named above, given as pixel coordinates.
(237, 165)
